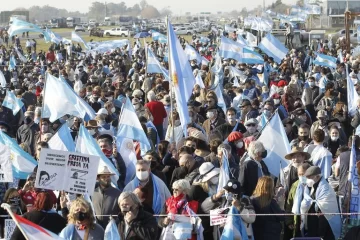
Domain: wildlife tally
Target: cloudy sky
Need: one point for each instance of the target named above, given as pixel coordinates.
(176, 7)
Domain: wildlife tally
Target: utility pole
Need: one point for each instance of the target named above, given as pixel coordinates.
(105, 10)
(263, 5)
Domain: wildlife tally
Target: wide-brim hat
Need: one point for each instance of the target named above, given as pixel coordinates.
(297, 150)
(207, 171)
(105, 171)
(91, 124)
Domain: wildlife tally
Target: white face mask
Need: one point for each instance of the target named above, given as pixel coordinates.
(334, 138)
(214, 180)
(310, 182)
(276, 101)
(92, 132)
(302, 179)
(311, 84)
(209, 115)
(142, 175)
(239, 144)
(136, 106)
(112, 109)
(251, 129)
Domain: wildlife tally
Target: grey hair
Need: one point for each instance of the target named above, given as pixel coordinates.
(224, 146)
(255, 148)
(143, 163)
(151, 96)
(134, 198)
(183, 184)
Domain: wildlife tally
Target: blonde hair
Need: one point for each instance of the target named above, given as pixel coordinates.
(264, 191)
(81, 203)
(183, 184)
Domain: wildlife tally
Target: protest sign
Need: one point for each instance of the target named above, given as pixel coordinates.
(5, 164)
(9, 228)
(218, 216)
(69, 171)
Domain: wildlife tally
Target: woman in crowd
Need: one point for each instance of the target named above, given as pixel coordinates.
(267, 227)
(43, 215)
(81, 223)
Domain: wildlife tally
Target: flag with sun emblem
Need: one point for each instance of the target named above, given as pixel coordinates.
(230, 49)
(181, 75)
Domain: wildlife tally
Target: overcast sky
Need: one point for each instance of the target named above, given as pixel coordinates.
(176, 6)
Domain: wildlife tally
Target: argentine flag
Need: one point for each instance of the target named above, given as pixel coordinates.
(325, 60)
(23, 163)
(21, 57)
(2, 80)
(199, 81)
(86, 144)
(251, 57)
(62, 140)
(12, 63)
(273, 48)
(230, 49)
(224, 175)
(352, 95)
(130, 127)
(192, 54)
(275, 141)
(154, 66)
(111, 231)
(234, 228)
(18, 27)
(76, 38)
(12, 102)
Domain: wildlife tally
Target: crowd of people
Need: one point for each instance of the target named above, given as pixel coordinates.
(180, 175)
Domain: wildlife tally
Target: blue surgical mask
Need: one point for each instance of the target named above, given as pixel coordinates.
(267, 113)
(229, 196)
(302, 179)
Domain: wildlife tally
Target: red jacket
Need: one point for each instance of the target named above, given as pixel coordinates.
(158, 111)
(28, 197)
(176, 205)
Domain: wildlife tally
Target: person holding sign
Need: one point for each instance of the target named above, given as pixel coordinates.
(105, 197)
(42, 215)
(81, 223)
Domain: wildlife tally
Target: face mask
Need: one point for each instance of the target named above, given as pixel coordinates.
(92, 132)
(44, 128)
(27, 120)
(214, 180)
(109, 98)
(264, 154)
(113, 110)
(239, 144)
(302, 179)
(229, 196)
(334, 138)
(251, 129)
(177, 122)
(267, 113)
(311, 84)
(231, 118)
(209, 115)
(80, 216)
(310, 182)
(303, 138)
(276, 101)
(142, 175)
(33, 91)
(136, 106)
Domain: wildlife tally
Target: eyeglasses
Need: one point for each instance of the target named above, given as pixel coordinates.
(250, 125)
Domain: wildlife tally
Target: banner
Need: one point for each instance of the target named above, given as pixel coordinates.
(9, 228)
(5, 164)
(69, 171)
(218, 216)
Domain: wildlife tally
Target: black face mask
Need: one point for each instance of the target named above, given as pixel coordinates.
(27, 120)
(303, 138)
(80, 216)
(264, 154)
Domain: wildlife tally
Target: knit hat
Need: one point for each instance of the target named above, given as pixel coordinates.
(235, 136)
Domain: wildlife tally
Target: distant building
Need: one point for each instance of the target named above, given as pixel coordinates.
(5, 16)
(335, 9)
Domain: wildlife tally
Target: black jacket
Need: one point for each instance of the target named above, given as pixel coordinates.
(249, 176)
(50, 221)
(143, 227)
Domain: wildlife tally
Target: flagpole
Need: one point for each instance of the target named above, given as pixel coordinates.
(7, 208)
(146, 70)
(170, 82)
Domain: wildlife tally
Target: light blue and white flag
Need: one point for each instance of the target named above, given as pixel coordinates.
(192, 54)
(23, 164)
(325, 60)
(251, 39)
(86, 144)
(221, 101)
(230, 49)
(62, 140)
(2, 80)
(108, 46)
(241, 40)
(275, 141)
(204, 61)
(273, 48)
(130, 127)
(153, 65)
(60, 99)
(199, 81)
(352, 95)
(76, 38)
(353, 180)
(21, 57)
(218, 71)
(224, 175)
(12, 102)
(127, 150)
(156, 36)
(237, 73)
(251, 57)
(229, 29)
(12, 63)
(181, 76)
(234, 227)
(204, 39)
(111, 231)
(56, 38)
(340, 57)
(19, 26)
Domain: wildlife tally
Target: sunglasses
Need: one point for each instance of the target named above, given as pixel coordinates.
(250, 125)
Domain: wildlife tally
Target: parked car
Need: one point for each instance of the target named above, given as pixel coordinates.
(184, 30)
(354, 39)
(340, 33)
(79, 28)
(97, 32)
(123, 32)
